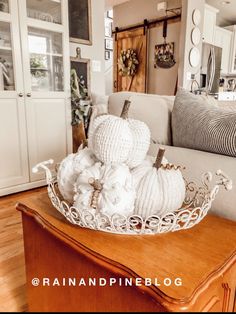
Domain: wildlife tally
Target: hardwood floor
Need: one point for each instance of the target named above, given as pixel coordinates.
(12, 265)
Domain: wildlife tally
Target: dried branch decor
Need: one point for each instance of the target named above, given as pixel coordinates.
(128, 63)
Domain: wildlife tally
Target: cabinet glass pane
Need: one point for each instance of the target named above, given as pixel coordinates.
(45, 10)
(46, 60)
(4, 6)
(6, 61)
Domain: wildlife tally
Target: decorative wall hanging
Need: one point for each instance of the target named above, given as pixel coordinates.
(107, 55)
(80, 25)
(128, 62)
(196, 17)
(164, 53)
(196, 36)
(194, 57)
(108, 43)
(110, 14)
(108, 27)
(80, 81)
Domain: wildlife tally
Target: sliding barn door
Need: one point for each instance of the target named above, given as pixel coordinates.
(137, 40)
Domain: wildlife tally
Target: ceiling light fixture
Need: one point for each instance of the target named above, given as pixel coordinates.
(225, 2)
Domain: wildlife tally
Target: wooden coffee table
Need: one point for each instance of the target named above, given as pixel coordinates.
(204, 258)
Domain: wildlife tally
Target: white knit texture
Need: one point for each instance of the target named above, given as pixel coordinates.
(113, 140)
(117, 195)
(139, 172)
(69, 170)
(158, 191)
(93, 126)
(141, 142)
(118, 140)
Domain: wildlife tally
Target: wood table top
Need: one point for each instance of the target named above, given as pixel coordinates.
(196, 255)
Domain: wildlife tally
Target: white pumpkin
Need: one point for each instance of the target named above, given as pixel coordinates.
(106, 189)
(93, 126)
(84, 158)
(160, 189)
(139, 172)
(69, 170)
(119, 139)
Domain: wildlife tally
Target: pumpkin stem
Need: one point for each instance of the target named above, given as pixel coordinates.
(159, 158)
(125, 110)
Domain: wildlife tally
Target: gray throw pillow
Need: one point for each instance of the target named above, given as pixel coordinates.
(202, 126)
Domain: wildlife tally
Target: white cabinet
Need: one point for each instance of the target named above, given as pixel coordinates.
(223, 38)
(34, 89)
(233, 51)
(209, 24)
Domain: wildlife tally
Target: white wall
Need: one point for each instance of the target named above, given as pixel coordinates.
(160, 81)
(135, 11)
(96, 51)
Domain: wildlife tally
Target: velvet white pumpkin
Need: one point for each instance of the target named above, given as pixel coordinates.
(116, 194)
(69, 170)
(119, 139)
(160, 190)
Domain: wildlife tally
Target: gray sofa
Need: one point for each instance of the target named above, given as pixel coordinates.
(156, 111)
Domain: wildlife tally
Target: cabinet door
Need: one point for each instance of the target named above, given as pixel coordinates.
(13, 139)
(45, 42)
(222, 38)
(233, 53)
(209, 26)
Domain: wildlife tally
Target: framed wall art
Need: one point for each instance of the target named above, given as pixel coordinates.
(108, 28)
(164, 55)
(80, 24)
(110, 14)
(82, 68)
(107, 55)
(109, 44)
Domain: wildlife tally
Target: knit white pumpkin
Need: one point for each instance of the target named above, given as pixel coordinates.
(107, 189)
(69, 170)
(160, 190)
(93, 126)
(139, 172)
(120, 140)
